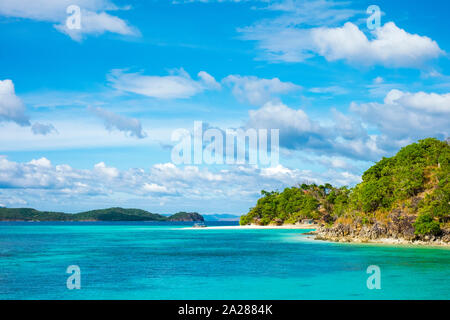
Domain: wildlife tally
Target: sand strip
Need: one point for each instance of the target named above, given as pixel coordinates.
(254, 227)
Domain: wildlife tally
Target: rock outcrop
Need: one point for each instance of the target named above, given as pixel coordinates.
(399, 230)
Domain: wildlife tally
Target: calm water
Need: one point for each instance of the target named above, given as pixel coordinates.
(163, 261)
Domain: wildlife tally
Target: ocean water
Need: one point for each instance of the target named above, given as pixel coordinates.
(148, 260)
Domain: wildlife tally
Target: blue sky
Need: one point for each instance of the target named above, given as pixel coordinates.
(86, 115)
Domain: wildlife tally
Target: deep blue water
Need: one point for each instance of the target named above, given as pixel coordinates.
(146, 260)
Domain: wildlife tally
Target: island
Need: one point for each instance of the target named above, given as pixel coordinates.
(109, 214)
(401, 199)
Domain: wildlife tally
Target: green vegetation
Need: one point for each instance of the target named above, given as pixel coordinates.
(111, 214)
(425, 224)
(297, 203)
(186, 216)
(414, 182)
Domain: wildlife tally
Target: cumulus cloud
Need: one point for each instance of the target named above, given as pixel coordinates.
(106, 172)
(421, 101)
(94, 18)
(130, 126)
(286, 37)
(391, 46)
(163, 181)
(154, 188)
(408, 116)
(177, 85)
(306, 29)
(344, 137)
(256, 90)
(278, 115)
(43, 129)
(11, 107)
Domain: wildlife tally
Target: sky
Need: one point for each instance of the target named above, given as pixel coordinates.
(87, 114)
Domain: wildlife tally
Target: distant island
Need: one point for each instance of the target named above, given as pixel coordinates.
(110, 214)
(402, 199)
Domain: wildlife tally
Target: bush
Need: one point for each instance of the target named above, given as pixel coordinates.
(426, 225)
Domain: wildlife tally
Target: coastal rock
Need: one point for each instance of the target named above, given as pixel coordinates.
(399, 230)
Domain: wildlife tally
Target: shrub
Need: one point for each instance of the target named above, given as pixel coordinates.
(426, 225)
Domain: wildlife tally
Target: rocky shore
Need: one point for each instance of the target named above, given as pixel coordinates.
(378, 233)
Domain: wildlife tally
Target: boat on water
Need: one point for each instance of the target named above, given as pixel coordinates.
(199, 225)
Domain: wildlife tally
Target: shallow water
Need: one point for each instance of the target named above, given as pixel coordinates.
(146, 260)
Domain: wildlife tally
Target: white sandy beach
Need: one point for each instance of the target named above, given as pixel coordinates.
(255, 227)
(345, 240)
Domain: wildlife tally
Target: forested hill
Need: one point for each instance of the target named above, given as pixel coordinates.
(110, 214)
(407, 196)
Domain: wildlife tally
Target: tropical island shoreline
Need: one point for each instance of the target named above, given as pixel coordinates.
(314, 234)
(257, 227)
(401, 199)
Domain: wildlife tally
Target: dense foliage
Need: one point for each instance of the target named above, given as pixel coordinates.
(297, 203)
(414, 181)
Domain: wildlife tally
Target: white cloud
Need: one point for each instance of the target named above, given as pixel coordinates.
(107, 172)
(421, 101)
(256, 90)
(42, 162)
(163, 182)
(306, 29)
(408, 116)
(94, 18)
(345, 136)
(96, 24)
(276, 115)
(154, 188)
(11, 107)
(391, 46)
(286, 37)
(209, 80)
(130, 126)
(177, 85)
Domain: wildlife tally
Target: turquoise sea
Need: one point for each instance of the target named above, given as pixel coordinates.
(153, 260)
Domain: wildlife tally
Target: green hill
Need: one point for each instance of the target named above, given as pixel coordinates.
(110, 214)
(186, 216)
(119, 214)
(405, 196)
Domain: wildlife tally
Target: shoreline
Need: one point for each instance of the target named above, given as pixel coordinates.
(344, 240)
(255, 227)
(381, 241)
